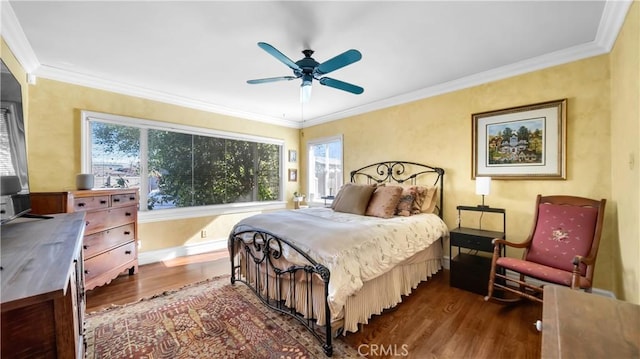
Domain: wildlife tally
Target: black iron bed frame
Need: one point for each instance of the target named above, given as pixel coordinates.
(262, 248)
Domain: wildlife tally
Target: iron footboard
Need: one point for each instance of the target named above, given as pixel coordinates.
(257, 260)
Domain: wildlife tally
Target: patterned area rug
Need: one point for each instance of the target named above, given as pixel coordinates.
(213, 319)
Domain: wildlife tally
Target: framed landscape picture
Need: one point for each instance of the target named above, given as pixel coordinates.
(527, 142)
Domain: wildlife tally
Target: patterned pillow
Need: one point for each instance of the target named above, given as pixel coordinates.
(562, 232)
(405, 204)
(353, 198)
(384, 201)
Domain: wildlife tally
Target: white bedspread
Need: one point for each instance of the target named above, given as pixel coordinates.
(354, 248)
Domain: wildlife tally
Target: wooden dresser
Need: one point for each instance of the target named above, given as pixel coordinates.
(110, 241)
(43, 298)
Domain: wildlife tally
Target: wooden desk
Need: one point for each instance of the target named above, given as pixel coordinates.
(583, 325)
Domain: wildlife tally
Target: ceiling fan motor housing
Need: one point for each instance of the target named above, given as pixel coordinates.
(308, 64)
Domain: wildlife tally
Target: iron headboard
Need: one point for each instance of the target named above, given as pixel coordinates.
(403, 172)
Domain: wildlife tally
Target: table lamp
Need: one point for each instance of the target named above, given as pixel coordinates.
(483, 187)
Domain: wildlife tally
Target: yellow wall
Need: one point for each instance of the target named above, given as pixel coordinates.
(437, 131)
(625, 148)
(54, 153)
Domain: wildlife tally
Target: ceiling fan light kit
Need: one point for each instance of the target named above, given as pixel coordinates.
(308, 69)
(305, 89)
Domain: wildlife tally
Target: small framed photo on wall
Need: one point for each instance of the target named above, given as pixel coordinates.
(293, 175)
(293, 156)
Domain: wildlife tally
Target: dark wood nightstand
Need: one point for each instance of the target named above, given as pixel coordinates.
(469, 268)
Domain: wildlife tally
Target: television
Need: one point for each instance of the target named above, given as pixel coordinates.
(14, 177)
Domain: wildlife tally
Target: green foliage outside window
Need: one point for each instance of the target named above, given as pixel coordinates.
(187, 170)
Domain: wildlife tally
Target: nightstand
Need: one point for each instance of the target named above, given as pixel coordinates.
(469, 268)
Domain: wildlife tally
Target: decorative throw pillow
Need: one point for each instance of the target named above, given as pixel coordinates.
(353, 198)
(430, 199)
(338, 195)
(420, 198)
(405, 204)
(384, 201)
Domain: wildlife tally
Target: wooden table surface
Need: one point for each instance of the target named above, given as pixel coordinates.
(36, 258)
(576, 324)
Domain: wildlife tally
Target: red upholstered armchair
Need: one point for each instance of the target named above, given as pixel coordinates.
(561, 249)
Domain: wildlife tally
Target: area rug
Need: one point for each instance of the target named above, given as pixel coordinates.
(213, 319)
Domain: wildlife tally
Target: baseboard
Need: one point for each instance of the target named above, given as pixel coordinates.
(181, 251)
(606, 293)
(446, 262)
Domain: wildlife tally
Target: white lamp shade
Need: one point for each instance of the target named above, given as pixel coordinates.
(305, 92)
(483, 185)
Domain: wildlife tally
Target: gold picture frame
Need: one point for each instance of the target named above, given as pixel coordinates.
(525, 142)
(293, 175)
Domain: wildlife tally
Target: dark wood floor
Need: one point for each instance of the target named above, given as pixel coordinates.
(436, 321)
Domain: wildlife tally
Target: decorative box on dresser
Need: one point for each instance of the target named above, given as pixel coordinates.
(43, 298)
(111, 226)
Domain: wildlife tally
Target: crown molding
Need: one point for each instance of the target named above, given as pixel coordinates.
(16, 40)
(150, 94)
(552, 59)
(613, 17)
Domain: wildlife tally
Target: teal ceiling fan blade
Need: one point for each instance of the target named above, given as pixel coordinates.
(341, 85)
(279, 55)
(271, 79)
(346, 58)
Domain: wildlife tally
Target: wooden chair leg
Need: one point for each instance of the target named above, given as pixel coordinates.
(492, 272)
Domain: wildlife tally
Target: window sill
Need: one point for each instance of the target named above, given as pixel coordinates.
(204, 211)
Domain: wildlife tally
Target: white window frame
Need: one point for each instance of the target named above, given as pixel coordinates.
(185, 212)
(311, 170)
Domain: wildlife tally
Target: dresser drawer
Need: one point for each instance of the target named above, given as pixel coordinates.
(471, 241)
(90, 203)
(109, 260)
(100, 220)
(100, 241)
(125, 199)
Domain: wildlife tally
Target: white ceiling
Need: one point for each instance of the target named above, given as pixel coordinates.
(200, 54)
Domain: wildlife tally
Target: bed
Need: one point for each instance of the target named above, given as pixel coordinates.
(332, 268)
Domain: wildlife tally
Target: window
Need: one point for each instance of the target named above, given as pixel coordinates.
(185, 167)
(325, 168)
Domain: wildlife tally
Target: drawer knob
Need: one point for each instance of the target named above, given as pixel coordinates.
(127, 252)
(86, 271)
(81, 204)
(86, 223)
(116, 199)
(127, 214)
(103, 201)
(538, 325)
(127, 233)
(85, 246)
(132, 198)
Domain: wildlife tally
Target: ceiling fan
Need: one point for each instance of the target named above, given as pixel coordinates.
(309, 69)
